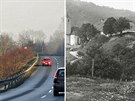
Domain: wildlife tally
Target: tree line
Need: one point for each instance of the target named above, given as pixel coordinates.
(116, 26)
(14, 53)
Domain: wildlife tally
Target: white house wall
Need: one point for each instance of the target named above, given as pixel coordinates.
(73, 40)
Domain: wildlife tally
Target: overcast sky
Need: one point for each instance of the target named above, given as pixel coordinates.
(46, 15)
(19, 15)
(118, 4)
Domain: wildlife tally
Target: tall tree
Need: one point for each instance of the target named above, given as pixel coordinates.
(121, 24)
(56, 43)
(87, 31)
(30, 38)
(6, 43)
(31, 35)
(108, 26)
(92, 52)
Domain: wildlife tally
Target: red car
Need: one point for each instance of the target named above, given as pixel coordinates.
(46, 62)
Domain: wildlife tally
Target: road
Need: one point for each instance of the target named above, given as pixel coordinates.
(38, 87)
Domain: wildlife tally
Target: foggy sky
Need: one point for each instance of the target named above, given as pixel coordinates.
(19, 15)
(117, 4)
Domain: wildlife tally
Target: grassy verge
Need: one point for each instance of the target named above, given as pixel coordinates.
(87, 89)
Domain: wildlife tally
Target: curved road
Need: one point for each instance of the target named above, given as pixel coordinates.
(38, 87)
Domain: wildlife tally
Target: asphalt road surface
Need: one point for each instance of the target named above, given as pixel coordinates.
(39, 86)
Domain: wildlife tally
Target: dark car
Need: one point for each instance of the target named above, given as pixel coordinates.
(58, 85)
(46, 62)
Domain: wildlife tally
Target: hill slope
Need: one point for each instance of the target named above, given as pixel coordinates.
(83, 12)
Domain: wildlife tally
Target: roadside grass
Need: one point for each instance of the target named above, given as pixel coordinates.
(88, 89)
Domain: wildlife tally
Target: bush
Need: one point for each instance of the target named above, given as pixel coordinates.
(13, 61)
(80, 53)
(71, 69)
(126, 88)
(79, 67)
(106, 67)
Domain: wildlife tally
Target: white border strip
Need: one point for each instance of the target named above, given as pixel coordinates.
(65, 13)
(1, 13)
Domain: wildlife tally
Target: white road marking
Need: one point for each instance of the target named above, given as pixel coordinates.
(43, 96)
(50, 91)
(55, 58)
(52, 87)
(56, 61)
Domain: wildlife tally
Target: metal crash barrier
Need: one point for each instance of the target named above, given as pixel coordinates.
(18, 78)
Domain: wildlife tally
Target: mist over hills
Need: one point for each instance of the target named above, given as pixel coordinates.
(83, 12)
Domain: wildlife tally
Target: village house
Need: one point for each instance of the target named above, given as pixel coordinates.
(71, 34)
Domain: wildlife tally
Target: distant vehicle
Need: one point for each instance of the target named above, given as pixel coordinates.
(47, 62)
(58, 85)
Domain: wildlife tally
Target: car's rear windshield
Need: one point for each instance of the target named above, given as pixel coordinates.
(61, 73)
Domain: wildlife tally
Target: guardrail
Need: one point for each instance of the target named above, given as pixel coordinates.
(18, 78)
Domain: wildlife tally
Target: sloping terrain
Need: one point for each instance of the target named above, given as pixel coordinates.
(125, 41)
(83, 12)
(107, 44)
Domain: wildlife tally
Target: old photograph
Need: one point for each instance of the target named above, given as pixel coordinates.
(100, 50)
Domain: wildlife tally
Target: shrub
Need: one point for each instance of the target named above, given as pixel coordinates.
(125, 88)
(71, 69)
(13, 61)
(80, 53)
(79, 67)
(106, 67)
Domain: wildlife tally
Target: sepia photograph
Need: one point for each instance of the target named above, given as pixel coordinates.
(100, 50)
(32, 50)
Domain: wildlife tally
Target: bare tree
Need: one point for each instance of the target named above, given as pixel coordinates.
(33, 39)
(31, 35)
(6, 43)
(56, 42)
